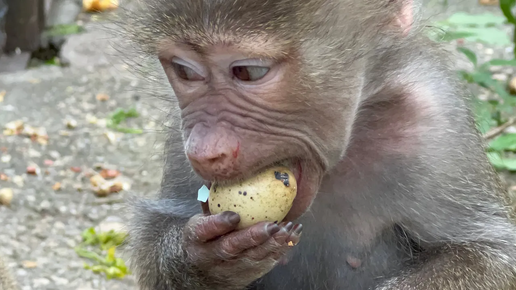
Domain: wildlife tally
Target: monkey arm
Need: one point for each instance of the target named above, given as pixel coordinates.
(155, 244)
(468, 266)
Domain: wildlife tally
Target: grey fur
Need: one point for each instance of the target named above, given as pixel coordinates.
(434, 218)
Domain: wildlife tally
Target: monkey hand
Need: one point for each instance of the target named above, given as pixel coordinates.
(236, 257)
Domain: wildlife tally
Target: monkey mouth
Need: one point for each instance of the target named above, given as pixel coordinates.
(294, 165)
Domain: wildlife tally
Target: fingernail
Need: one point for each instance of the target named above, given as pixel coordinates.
(289, 226)
(298, 230)
(233, 217)
(272, 229)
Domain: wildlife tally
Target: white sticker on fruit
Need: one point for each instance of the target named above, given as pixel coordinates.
(203, 193)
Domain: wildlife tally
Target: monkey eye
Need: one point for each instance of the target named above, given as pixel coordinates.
(250, 73)
(184, 71)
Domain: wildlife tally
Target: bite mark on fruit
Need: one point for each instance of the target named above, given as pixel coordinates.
(283, 177)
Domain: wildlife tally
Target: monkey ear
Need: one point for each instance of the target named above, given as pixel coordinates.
(405, 17)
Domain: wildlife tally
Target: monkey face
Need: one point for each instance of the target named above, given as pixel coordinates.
(262, 87)
(243, 110)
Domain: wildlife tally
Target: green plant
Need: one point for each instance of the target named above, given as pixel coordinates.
(103, 256)
(487, 28)
(119, 116)
(506, 7)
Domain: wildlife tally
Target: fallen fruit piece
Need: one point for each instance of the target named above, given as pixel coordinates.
(512, 86)
(99, 5)
(103, 187)
(268, 196)
(56, 186)
(6, 196)
(290, 244)
(32, 170)
(488, 2)
(29, 264)
(13, 128)
(102, 97)
(109, 173)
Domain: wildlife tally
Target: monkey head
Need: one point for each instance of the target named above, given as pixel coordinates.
(257, 87)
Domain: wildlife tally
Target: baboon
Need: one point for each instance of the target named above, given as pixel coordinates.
(394, 188)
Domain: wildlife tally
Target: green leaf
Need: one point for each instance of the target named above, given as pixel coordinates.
(501, 163)
(505, 142)
(496, 160)
(488, 35)
(483, 111)
(506, 6)
(469, 54)
(465, 19)
(121, 115)
(454, 35)
(63, 29)
(498, 62)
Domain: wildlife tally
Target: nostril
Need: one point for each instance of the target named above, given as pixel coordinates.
(221, 157)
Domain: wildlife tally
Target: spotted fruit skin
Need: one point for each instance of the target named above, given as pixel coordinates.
(267, 196)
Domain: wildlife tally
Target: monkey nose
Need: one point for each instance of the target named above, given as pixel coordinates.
(213, 165)
(213, 152)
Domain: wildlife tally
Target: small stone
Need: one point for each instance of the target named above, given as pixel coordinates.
(48, 162)
(71, 124)
(111, 223)
(40, 282)
(45, 205)
(59, 225)
(33, 153)
(54, 154)
(500, 77)
(59, 280)
(6, 158)
(18, 180)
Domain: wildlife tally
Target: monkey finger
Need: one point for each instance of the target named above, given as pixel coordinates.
(272, 245)
(236, 242)
(204, 228)
(292, 240)
(295, 236)
(282, 236)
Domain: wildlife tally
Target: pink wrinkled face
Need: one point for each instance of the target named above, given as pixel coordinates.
(241, 113)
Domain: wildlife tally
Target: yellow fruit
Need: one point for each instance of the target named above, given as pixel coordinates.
(268, 196)
(99, 5)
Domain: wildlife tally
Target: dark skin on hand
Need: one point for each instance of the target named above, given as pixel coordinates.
(394, 188)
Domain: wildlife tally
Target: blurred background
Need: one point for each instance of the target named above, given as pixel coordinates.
(80, 131)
